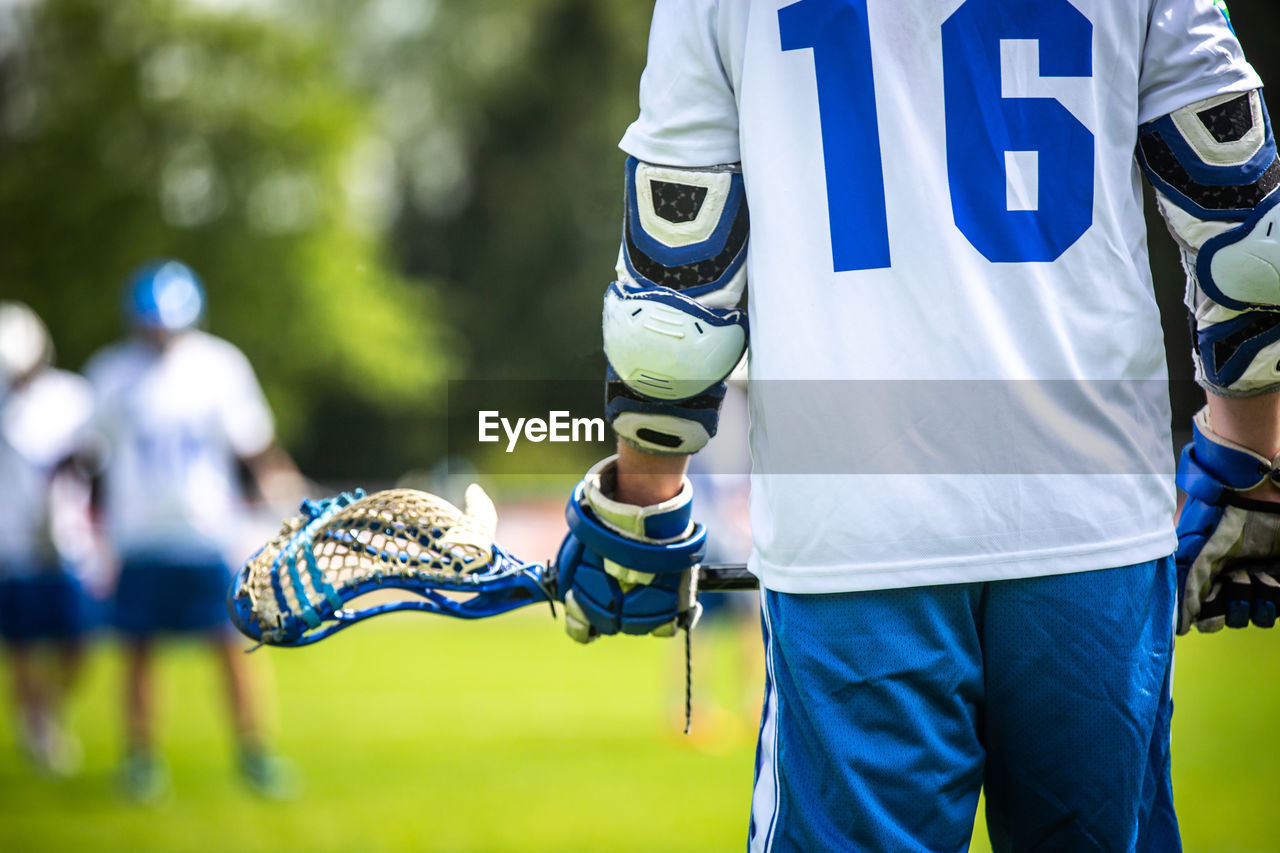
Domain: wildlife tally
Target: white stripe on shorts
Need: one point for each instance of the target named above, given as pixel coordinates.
(764, 796)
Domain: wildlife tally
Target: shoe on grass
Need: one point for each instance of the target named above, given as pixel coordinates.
(65, 756)
(269, 776)
(144, 778)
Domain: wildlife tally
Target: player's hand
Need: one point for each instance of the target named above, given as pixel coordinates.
(625, 568)
(1228, 544)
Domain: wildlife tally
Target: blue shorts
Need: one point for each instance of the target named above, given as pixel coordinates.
(886, 712)
(50, 605)
(162, 594)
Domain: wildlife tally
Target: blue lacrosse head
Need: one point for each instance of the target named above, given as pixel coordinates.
(164, 295)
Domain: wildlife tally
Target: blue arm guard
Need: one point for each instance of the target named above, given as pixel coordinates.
(686, 230)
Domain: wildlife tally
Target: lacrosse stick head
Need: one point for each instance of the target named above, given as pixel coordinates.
(295, 590)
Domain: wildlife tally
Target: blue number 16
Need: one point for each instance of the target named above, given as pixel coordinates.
(982, 127)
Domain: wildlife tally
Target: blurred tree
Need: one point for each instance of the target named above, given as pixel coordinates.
(138, 128)
(504, 117)
(545, 218)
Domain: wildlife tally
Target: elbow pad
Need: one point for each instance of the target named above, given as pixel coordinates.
(672, 328)
(1215, 171)
(686, 230)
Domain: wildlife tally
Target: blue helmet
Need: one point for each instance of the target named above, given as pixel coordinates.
(164, 295)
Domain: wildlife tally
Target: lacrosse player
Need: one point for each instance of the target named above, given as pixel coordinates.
(181, 416)
(962, 513)
(44, 415)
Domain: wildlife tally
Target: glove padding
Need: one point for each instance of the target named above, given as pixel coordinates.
(625, 568)
(1228, 546)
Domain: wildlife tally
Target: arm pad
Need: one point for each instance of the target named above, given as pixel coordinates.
(672, 328)
(1215, 170)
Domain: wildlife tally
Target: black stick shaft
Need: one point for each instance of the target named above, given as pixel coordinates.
(712, 577)
(725, 577)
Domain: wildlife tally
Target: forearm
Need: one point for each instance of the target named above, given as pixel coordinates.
(275, 475)
(645, 479)
(1253, 422)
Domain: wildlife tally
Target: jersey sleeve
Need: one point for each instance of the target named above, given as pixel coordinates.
(244, 414)
(1191, 53)
(72, 413)
(688, 112)
(102, 428)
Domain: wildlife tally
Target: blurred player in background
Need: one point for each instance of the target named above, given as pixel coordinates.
(183, 420)
(961, 512)
(44, 415)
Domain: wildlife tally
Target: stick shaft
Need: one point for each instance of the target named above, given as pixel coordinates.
(725, 577)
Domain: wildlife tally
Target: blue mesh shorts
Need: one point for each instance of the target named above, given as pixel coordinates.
(163, 594)
(50, 605)
(886, 712)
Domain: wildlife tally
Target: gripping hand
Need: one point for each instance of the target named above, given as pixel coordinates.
(627, 568)
(1228, 546)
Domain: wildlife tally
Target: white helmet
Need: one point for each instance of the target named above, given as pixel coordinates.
(24, 342)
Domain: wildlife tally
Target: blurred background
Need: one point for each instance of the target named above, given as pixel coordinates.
(379, 196)
(382, 196)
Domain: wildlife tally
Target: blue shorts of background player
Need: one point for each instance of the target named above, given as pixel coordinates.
(886, 712)
(48, 605)
(45, 606)
(163, 593)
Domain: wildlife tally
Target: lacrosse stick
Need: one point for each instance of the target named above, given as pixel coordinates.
(295, 591)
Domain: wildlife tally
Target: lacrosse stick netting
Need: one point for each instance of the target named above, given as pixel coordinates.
(295, 590)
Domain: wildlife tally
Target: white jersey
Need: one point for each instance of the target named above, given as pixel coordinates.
(42, 422)
(947, 241)
(175, 421)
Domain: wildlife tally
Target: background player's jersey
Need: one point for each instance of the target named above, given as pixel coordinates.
(174, 422)
(948, 243)
(41, 423)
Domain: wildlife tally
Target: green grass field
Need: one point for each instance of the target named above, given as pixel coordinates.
(425, 734)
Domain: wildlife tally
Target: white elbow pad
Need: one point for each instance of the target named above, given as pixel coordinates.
(667, 346)
(672, 327)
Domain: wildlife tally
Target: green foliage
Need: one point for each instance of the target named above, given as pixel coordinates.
(504, 116)
(143, 128)
(544, 220)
